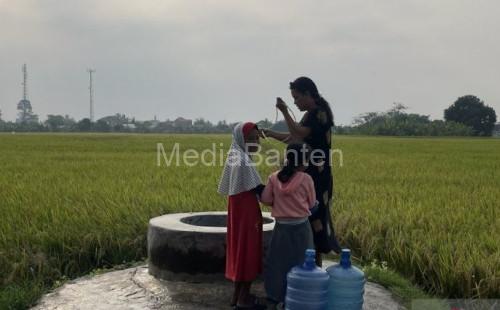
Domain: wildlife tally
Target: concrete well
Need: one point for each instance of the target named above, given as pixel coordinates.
(191, 246)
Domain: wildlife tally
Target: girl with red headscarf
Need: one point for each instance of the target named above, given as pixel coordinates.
(241, 183)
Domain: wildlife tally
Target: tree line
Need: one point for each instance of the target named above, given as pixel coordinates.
(467, 116)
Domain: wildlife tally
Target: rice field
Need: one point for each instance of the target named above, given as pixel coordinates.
(71, 203)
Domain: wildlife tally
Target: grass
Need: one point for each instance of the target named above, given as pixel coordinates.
(72, 203)
(402, 289)
(429, 207)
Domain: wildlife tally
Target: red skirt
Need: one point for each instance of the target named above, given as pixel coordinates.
(244, 237)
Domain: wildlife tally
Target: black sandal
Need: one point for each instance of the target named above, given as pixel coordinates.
(256, 304)
(252, 297)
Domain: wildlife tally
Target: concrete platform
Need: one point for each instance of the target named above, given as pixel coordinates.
(135, 288)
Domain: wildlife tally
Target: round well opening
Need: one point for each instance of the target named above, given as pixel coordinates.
(212, 220)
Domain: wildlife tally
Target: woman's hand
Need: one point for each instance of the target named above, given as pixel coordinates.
(281, 105)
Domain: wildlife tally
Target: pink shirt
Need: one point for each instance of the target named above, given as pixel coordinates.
(292, 199)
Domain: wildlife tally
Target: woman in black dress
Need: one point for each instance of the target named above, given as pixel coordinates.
(314, 129)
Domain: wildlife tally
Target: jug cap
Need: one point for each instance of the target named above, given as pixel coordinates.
(310, 259)
(345, 258)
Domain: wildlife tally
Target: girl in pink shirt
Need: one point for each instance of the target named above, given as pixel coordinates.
(290, 193)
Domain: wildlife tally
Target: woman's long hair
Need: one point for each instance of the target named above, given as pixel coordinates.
(297, 155)
(306, 85)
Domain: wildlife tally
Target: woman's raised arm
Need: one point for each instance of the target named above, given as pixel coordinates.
(280, 136)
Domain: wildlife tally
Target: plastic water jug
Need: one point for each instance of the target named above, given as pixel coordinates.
(307, 286)
(347, 285)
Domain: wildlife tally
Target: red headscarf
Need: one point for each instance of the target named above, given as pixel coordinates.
(248, 127)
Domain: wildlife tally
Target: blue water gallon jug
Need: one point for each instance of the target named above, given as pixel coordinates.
(307, 286)
(347, 285)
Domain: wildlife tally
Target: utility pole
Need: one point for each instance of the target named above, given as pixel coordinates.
(91, 90)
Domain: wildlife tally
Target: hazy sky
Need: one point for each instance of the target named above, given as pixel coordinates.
(230, 59)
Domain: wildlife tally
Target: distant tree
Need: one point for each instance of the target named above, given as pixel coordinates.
(397, 108)
(28, 118)
(102, 126)
(344, 130)
(116, 121)
(202, 125)
(280, 126)
(25, 127)
(55, 122)
(396, 122)
(471, 111)
(222, 126)
(69, 122)
(144, 127)
(367, 118)
(166, 126)
(84, 125)
(118, 127)
(450, 128)
(265, 123)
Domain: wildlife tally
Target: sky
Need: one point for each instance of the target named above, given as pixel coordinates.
(229, 60)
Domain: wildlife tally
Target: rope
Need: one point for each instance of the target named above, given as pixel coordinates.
(289, 110)
(276, 119)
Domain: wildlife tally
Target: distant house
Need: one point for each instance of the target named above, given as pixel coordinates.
(115, 120)
(153, 124)
(129, 126)
(181, 122)
(496, 130)
(168, 123)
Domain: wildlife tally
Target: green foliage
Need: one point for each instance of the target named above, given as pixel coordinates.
(428, 207)
(102, 126)
(20, 295)
(23, 127)
(54, 122)
(84, 125)
(402, 288)
(280, 126)
(59, 123)
(471, 111)
(396, 122)
(265, 123)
